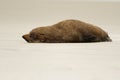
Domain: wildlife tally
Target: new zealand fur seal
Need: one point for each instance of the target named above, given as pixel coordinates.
(67, 31)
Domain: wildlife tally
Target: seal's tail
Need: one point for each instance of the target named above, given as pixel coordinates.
(109, 39)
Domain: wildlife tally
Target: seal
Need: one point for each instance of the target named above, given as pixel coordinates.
(67, 31)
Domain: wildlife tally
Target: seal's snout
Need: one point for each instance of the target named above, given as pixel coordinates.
(27, 38)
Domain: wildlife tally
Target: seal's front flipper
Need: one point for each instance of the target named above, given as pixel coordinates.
(89, 38)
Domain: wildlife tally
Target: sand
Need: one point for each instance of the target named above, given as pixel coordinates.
(20, 60)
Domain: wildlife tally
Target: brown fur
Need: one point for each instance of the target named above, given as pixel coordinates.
(67, 31)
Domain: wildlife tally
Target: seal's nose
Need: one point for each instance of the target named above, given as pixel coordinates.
(27, 38)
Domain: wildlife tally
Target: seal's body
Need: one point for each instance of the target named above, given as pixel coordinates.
(67, 31)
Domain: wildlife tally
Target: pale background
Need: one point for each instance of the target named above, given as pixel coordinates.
(81, 61)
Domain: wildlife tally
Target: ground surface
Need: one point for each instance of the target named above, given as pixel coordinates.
(20, 60)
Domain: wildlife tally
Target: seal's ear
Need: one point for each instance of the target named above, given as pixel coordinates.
(27, 38)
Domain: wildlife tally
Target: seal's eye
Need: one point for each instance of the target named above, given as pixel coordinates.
(33, 36)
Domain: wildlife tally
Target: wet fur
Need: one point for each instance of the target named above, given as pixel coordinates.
(67, 31)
